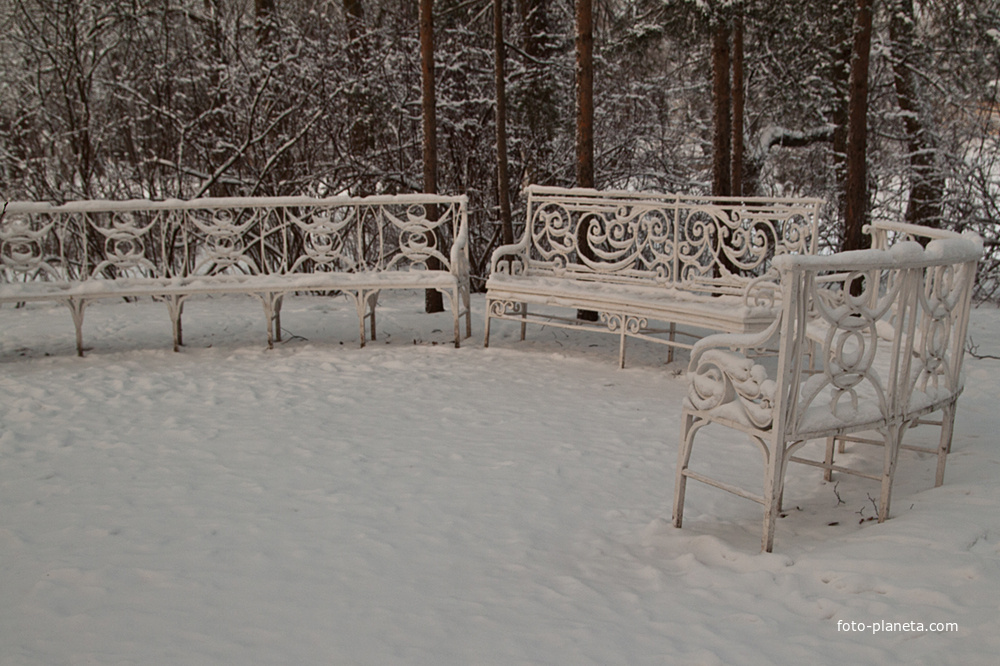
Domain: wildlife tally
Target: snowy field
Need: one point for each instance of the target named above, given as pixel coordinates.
(410, 503)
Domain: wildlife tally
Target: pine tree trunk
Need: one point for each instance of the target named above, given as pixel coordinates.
(721, 104)
(736, 185)
(433, 301)
(926, 182)
(540, 103)
(856, 192)
(503, 179)
(584, 121)
(841, 22)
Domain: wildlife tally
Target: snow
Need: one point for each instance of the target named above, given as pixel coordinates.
(412, 503)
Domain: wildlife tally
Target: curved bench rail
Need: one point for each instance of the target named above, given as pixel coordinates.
(871, 340)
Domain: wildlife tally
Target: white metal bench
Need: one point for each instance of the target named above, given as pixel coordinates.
(267, 247)
(638, 258)
(879, 361)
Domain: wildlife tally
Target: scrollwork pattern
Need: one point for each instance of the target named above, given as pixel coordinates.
(723, 378)
(502, 308)
(851, 340)
(22, 247)
(125, 245)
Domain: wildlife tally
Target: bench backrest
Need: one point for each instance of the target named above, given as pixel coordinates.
(672, 239)
(886, 328)
(106, 239)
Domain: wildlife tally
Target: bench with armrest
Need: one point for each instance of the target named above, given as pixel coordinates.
(868, 344)
(638, 258)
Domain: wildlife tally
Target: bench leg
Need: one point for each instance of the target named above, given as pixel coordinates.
(689, 428)
(277, 316)
(944, 444)
(774, 490)
(371, 301)
(267, 300)
(455, 306)
(486, 334)
(673, 338)
(524, 316)
(359, 304)
(467, 304)
(621, 347)
(175, 308)
(76, 308)
(831, 444)
(893, 437)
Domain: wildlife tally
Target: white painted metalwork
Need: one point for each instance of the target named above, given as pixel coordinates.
(870, 340)
(267, 247)
(639, 257)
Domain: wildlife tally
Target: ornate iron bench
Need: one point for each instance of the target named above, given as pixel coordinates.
(639, 258)
(868, 341)
(267, 247)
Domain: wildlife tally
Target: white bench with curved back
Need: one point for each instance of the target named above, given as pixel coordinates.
(876, 359)
(637, 258)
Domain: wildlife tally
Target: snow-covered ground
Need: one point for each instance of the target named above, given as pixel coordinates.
(410, 503)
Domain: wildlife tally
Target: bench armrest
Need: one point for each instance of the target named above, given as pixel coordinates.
(510, 259)
(718, 375)
(460, 266)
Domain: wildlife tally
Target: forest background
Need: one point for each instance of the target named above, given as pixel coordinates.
(186, 98)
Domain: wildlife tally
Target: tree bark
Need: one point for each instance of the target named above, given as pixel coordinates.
(856, 191)
(926, 182)
(841, 48)
(584, 94)
(433, 301)
(738, 95)
(503, 179)
(539, 97)
(721, 105)
(584, 121)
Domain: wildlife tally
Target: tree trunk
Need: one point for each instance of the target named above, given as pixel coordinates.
(856, 192)
(433, 301)
(584, 94)
(503, 180)
(584, 121)
(721, 105)
(736, 186)
(538, 105)
(841, 47)
(926, 182)
(361, 108)
(723, 132)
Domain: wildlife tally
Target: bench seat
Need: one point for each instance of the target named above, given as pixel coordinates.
(618, 301)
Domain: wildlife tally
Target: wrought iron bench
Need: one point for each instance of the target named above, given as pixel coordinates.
(868, 341)
(640, 258)
(267, 247)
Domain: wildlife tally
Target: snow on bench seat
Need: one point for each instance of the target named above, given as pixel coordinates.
(636, 258)
(266, 247)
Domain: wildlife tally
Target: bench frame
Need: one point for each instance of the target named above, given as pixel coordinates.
(636, 258)
(265, 247)
(847, 363)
